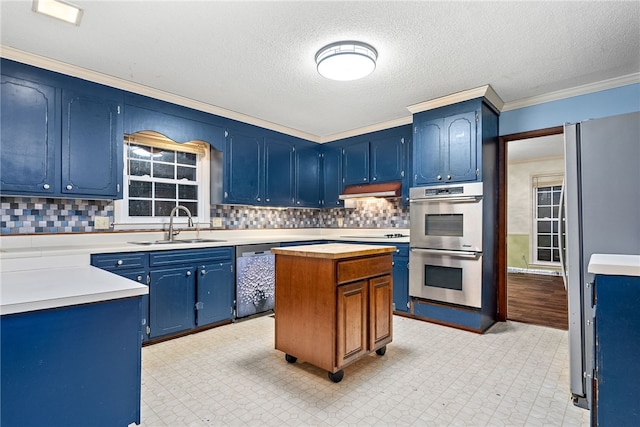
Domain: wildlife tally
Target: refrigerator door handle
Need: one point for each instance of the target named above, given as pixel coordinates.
(561, 237)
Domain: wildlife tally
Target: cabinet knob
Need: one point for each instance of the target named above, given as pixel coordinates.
(46, 186)
(448, 177)
(439, 177)
(203, 272)
(140, 279)
(374, 178)
(188, 273)
(69, 187)
(364, 179)
(298, 202)
(259, 199)
(119, 262)
(267, 200)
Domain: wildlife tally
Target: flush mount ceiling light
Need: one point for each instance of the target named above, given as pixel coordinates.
(348, 60)
(59, 10)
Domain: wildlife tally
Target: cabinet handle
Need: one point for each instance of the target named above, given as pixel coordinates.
(69, 187)
(188, 273)
(46, 186)
(439, 177)
(119, 262)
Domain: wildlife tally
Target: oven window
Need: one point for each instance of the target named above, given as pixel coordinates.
(443, 225)
(436, 276)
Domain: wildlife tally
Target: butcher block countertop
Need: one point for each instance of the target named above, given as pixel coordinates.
(333, 250)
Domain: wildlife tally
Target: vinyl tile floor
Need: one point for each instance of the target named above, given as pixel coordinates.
(431, 375)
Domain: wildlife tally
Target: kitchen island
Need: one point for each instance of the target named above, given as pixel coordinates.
(70, 347)
(333, 303)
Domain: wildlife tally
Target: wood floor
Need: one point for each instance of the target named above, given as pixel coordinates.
(537, 299)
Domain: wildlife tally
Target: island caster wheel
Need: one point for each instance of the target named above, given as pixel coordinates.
(381, 351)
(336, 377)
(289, 358)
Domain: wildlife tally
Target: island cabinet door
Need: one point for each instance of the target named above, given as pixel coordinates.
(380, 311)
(352, 322)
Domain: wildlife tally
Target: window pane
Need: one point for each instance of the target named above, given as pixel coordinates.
(161, 155)
(140, 189)
(161, 170)
(163, 208)
(186, 173)
(165, 191)
(189, 192)
(544, 254)
(139, 168)
(544, 198)
(556, 255)
(192, 206)
(555, 241)
(556, 209)
(187, 158)
(135, 151)
(544, 226)
(544, 212)
(544, 240)
(139, 207)
(556, 197)
(555, 226)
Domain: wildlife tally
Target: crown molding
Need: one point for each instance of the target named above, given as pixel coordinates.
(116, 82)
(368, 129)
(574, 91)
(486, 92)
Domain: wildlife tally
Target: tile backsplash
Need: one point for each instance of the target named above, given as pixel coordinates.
(40, 215)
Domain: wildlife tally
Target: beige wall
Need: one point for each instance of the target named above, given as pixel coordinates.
(519, 205)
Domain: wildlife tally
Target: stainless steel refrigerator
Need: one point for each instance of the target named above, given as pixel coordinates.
(602, 207)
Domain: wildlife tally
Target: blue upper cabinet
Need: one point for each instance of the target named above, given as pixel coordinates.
(355, 163)
(92, 139)
(307, 176)
(243, 170)
(61, 136)
(331, 176)
(387, 160)
(448, 142)
(278, 173)
(28, 142)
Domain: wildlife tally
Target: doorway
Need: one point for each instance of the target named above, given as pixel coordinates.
(530, 285)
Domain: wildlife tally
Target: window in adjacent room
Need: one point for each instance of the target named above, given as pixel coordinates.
(547, 214)
(160, 174)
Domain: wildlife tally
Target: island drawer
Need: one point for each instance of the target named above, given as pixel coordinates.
(120, 261)
(361, 268)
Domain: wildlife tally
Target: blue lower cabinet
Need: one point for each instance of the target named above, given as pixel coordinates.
(171, 300)
(400, 283)
(215, 296)
(617, 348)
(72, 366)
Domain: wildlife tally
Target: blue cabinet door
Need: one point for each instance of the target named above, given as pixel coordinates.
(92, 139)
(355, 163)
(459, 149)
(215, 290)
(331, 177)
(140, 277)
(307, 177)
(171, 300)
(28, 137)
(278, 173)
(387, 159)
(243, 168)
(427, 162)
(401, 283)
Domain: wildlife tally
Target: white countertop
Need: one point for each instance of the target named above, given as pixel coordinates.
(48, 271)
(614, 264)
(59, 287)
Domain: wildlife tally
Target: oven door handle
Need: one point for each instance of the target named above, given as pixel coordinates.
(460, 254)
(447, 199)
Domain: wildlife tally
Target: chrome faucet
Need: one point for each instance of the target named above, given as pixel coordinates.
(172, 215)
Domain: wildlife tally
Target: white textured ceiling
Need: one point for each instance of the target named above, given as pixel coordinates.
(257, 58)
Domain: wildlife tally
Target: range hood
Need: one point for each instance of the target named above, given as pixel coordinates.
(384, 189)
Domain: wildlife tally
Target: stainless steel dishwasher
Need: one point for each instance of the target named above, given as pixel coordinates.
(255, 279)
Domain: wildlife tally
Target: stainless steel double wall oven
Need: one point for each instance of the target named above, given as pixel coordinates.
(445, 262)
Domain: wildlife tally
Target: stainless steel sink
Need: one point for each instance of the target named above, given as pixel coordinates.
(175, 241)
